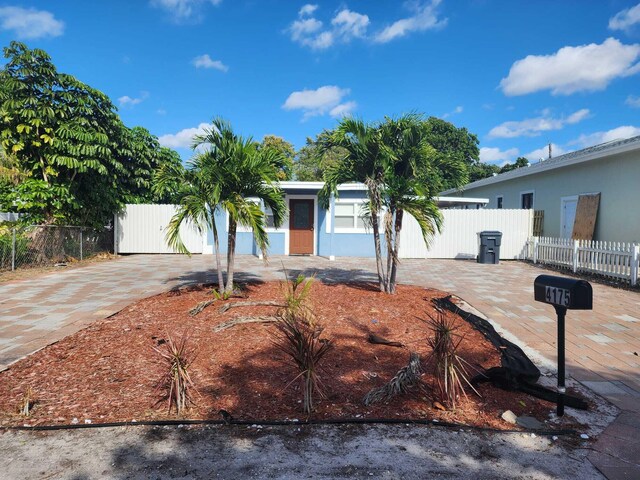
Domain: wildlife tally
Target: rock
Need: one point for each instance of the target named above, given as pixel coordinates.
(584, 436)
(509, 417)
(530, 423)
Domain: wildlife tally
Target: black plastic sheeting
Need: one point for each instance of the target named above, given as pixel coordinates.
(517, 372)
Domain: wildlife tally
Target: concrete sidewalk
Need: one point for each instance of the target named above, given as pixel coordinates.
(602, 344)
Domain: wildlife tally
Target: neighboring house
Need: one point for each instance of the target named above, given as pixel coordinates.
(611, 169)
(309, 229)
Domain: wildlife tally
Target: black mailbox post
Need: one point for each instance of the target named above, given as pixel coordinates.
(564, 294)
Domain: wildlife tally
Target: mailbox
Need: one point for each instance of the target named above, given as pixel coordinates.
(563, 292)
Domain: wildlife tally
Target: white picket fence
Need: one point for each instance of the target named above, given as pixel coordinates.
(611, 259)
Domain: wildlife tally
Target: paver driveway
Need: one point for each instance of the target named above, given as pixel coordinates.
(602, 345)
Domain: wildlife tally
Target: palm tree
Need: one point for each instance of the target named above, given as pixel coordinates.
(227, 175)
(362, 161)
(414, 173)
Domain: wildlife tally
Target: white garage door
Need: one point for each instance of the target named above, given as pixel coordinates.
(142, 229)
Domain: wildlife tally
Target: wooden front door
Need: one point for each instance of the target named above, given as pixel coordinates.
(301, 227)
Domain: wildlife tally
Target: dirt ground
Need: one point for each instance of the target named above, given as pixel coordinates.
(319, 452)
(108, 371)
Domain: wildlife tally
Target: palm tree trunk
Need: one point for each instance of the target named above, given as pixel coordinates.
(216, 246)
(396, 249)
(376, 241)
(231, 254)
(388, 235)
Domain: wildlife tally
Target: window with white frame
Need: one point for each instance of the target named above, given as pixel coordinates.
(268, 217)
(350, 217)
(499, 200)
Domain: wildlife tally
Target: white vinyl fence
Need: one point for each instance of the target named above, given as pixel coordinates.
(459, 236)
(142, 229)
(611, 259)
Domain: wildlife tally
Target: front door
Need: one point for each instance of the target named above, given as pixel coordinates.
(301, 227)
(568, 216)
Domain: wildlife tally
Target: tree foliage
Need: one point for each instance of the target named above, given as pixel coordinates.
(229, 175)
(78, 162)
(402, 171)
(285, 152)
(313, 160)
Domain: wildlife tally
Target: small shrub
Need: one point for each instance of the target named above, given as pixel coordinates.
(296, 297)
(175, 384)
(450, 372)
(301, 341)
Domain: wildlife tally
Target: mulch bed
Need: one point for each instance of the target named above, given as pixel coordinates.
(108, 371)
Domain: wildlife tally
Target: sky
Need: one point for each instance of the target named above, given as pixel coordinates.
(518, 74)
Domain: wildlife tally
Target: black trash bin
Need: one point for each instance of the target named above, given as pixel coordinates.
(489, 247)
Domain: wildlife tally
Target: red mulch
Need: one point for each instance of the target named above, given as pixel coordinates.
(107, 372)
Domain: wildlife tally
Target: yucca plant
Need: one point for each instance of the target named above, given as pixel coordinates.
(451, 376)
(296, 297)
(301, 341)
(175, 383)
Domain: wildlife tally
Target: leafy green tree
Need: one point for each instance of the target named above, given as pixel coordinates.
(284, 150)
(481, 170)
(456, 143)
(519, 163)
(79, 162)
(226, 177)
(313, 159)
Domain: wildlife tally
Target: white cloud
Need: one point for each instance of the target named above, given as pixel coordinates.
(29, 23)
(205, 61)
(184, 10)
(532, 127)
(573, 69)
(127, 101)
(326, 99)
(632, 101)
(455, 111)
(425, 17)
(161, 111)
(343, 109)
(543, 153)
(345, 26)
(184, 138)
(619, 133)
(307, 9)
(625, 19)
(491, 154)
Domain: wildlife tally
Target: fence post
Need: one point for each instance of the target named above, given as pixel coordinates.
(81, 244)
(576, 243)
(13, 249)
(635, 264)
(535, 249)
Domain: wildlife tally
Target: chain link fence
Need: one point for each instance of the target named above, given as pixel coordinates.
(48, 245)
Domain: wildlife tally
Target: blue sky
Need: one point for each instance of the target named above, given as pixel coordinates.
(519, 74)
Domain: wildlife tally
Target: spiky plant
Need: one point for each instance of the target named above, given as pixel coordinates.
(296, 297)
(175, 383)
(301, 342)
(451, 376)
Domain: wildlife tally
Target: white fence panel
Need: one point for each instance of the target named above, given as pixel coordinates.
(459, 237)
(142, 229)
(611, 259)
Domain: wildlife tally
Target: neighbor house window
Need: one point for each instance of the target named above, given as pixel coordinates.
(527, 200)
(499, 201)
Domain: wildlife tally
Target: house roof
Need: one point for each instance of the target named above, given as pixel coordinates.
(596, 152)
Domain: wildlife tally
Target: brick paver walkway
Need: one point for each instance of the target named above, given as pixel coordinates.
(602, 344)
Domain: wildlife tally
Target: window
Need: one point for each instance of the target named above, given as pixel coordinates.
(527, 200)
(499, 201)
(350, 217)
(269, 217)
